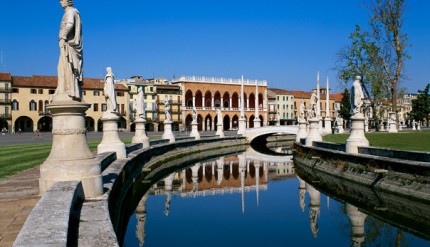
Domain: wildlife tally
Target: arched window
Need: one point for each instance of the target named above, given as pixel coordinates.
(15, 105)
(40, 105)
(33, 106)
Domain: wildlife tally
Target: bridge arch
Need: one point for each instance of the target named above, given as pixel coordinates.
(264, 132)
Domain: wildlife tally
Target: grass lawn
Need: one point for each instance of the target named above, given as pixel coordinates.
(20, 157)
(408, 140)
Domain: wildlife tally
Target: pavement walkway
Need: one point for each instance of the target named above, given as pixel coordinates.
(18, 196)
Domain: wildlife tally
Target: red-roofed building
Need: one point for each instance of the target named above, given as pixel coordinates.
(5, 102)
(31, 95)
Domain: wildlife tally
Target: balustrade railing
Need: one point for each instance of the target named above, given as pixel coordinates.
(203, 79)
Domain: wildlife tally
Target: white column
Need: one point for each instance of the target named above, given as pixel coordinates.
(213, 103)
(230, 103)
(194, 101)
(257, 123)
(327, 120)
(222, 103)
(203, 103)
(247, 103)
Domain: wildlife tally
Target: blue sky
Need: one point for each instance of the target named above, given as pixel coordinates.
(282, 41)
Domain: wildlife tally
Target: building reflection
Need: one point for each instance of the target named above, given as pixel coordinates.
(238, 174)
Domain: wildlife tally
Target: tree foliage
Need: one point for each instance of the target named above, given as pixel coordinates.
(345, 105)
(377, 55)
(421, 105)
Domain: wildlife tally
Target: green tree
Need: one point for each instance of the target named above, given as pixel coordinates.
(421, 106)
(378, 55)
(345, 105)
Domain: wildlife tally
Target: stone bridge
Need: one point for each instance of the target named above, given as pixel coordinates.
(253, 133)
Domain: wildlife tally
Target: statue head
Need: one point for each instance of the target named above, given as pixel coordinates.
(358, 78)
(66, 3)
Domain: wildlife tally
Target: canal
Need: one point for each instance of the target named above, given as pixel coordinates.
(248, 198)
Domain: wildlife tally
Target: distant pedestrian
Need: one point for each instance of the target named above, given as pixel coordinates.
(13, 130)
(19, 131)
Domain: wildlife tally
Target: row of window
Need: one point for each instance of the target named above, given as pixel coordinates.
(32, 105)
(284, 98)
(104, 107)
(285, 107)
(35, 91)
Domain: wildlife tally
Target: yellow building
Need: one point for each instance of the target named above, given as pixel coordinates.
(31, 95)
(5, 102)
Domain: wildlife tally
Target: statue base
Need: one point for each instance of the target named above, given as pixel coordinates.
(70, 157)
(302, 133)
(327, 126)
(242, 126)
(392, 128)
(168, 134)
(219, 130)
(257, 123)
(140, 134)
(111, 141)
(195, 130)
(357, 137)
(314, 132)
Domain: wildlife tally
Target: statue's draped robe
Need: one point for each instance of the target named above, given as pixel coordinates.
(139, 104)
(356, 98)
(70, 62)
(110, 93)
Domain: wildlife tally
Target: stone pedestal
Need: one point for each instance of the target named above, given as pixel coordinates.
(195, 130)
(242, 126)
(168, 134)
(419, 125)
(70, 157)
(314, 131)
(257, 122)
(302, 133)
(111, 141)
(140, 134)
(327, 125)
(219, 131)
(366, 125)
(392, 128)
(357, 137)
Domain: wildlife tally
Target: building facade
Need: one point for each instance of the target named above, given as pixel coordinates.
(207, 94)
(5, 101)
(31, 96)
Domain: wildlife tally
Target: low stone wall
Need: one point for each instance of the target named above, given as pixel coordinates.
(62, 218)
(330, 145)
(397, 154)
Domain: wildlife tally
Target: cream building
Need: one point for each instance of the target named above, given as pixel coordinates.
(31, 95)
(284, 105)
(5, 102)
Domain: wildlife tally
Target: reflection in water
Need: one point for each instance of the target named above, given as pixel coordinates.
(252, 173)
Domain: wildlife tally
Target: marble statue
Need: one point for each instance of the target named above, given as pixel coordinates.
(167, 109)
(219, 115)
(313, 105)
(302, 112)
(194, 114)
(139, 103)
(357, 97)
(71, 59)
(109, 91)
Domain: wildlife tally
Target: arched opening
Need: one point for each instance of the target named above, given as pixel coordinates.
(189, 98)
(122, 124)
(89, 123)
(25, 124)
(4, 126)
(252, 101)
(149, 127)
(245, 97)
(260, 101)
(208, 173)
(32, 105)
(226, 122)
(251, 122)
(199, 99)
(208, 123)
(235, 122)
(208, 99)
(235, 100)
(216, 122)
(217, 98)
(160, 127)
(199, 122)
(252, 169)
(15, 105)
(261, 121)
(226, 100)
(188, 121)
(175, 126)
(100, 125)
(45, 124)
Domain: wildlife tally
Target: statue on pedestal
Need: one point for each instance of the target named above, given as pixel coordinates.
(357, 97)
(167, 109)
(312, 113)
(110, 92)
(71, 59)
(194, 115)
(139, 103)
(302, 112)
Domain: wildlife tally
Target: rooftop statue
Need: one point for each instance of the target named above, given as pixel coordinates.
(71, 59)
(357, 97)
(110, 92)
